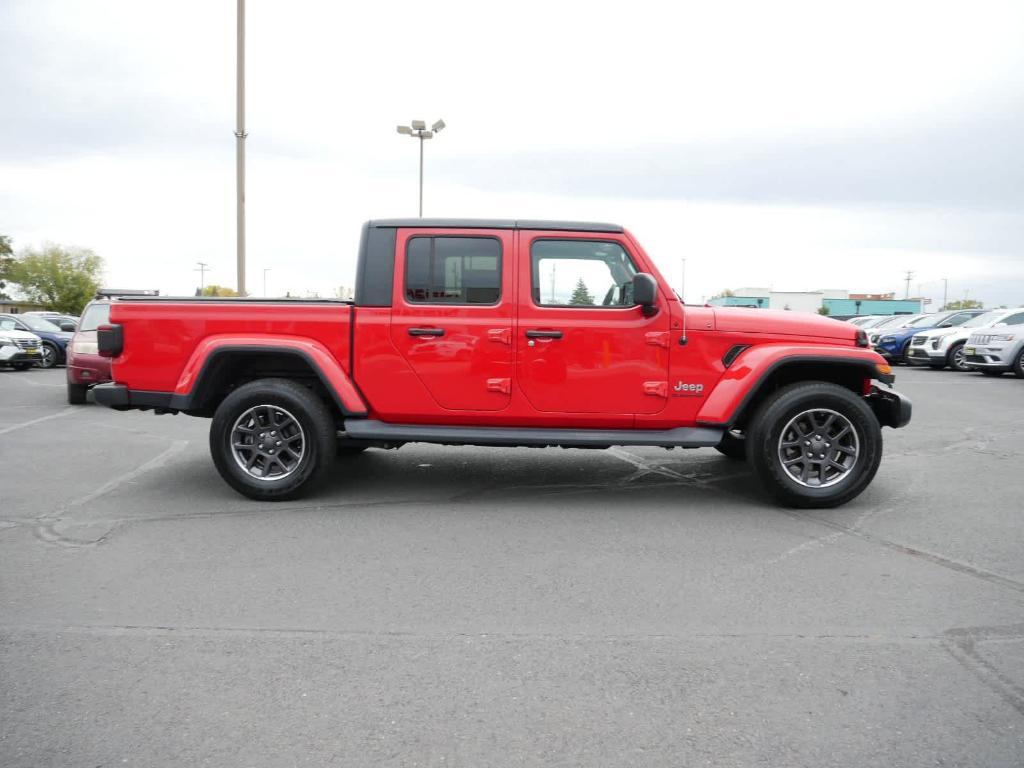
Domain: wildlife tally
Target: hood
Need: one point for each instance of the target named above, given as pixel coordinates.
(775, 321)
(19, 335)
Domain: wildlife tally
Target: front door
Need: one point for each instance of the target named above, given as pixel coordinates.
(582, 345)
(452, 313)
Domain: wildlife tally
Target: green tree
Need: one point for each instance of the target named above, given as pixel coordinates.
(6, 262)
(580, 294)
(219, 290)
(60, 278)
(963, 304)
(823, 310)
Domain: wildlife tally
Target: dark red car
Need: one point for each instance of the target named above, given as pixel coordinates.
(85, 367)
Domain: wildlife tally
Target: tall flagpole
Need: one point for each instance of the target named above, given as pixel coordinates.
(240, 135)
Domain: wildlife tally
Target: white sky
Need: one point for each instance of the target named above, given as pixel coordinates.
(791, 145)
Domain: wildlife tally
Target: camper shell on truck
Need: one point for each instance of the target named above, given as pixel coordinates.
(505, 333)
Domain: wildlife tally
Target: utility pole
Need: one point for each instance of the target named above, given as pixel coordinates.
(945, 291)
(265, 270)
(202, 270)
(418, 130)
(240, 136)
(908, 278)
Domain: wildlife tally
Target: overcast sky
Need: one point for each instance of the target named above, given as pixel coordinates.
(787, 145)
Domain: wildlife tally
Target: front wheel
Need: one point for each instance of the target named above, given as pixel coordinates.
(957, 359)
(22, 366)
(1018, 364)
(272, 439)
(815, 445)
(50, 355)
(76, 393)
(733, 445)
(990, 372)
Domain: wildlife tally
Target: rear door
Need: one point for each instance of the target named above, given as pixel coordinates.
(582, 346)
(452, 314)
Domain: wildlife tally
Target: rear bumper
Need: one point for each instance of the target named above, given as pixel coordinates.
(891, 408)
(119, 397)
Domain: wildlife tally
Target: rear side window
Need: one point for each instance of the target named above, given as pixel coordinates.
(453, 270)
(95, 315)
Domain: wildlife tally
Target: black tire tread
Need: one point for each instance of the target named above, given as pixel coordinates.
(769, 416)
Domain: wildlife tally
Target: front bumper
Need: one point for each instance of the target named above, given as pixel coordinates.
(891, 408)
(989, 358)
(12, 354)
(926, 356)
(88, 369)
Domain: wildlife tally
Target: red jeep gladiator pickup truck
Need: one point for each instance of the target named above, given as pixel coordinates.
(505, 333)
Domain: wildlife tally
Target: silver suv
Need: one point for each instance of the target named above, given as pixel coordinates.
(940, 347)
(995, 350)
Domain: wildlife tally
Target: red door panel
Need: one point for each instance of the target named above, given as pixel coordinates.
(461, 351)
(578, 358)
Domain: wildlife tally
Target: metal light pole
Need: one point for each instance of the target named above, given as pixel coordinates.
(240, 136)
(418, 130)
(265, 270)
(202, 270)
(945, 291)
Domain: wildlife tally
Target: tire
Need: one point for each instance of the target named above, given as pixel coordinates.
(734, 446)
(955, 358)
(349, 450)
(1018, 364)
(783, 413)
(253, 414)
(936, 367)
(76, 393)
(990, 372)
(22, 366)
(51, 355)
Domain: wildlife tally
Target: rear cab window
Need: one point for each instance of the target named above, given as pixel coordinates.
(453, 270)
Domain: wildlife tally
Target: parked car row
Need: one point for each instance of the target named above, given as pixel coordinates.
(991, 341)
(52, 334)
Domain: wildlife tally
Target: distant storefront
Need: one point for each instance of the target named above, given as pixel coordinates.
(838, 302)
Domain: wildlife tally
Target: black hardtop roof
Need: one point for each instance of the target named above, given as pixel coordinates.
(561, 226)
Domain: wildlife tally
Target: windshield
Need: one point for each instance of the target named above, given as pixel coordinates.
(895, 320)
(980, 321)
(927, 321)
(95, 315)
(38, 324)
(6, 324)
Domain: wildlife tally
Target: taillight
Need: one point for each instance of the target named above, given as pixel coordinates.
(110, 340)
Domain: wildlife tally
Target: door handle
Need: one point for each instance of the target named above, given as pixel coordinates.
(543, 334)
(426, 331)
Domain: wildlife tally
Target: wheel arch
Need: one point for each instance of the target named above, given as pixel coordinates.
(224, 367)
(734, 409)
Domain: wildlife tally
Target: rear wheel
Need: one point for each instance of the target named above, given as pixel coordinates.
(76, 393)
(957, 359)
(815, 444)
(272, 439)
(733, 445)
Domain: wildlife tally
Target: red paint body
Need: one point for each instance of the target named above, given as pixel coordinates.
(614, 367)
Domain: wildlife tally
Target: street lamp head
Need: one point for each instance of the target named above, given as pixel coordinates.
(405, 129)
(437, 126)
(419, 125)
(426, 134)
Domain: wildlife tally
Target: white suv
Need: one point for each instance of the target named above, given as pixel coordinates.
(940, 347)
(18, 349)
(995, 350)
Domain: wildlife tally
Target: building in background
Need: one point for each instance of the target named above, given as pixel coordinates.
(839, 303)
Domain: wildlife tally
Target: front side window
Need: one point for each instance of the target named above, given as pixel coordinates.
(453, 270)
(581, 273)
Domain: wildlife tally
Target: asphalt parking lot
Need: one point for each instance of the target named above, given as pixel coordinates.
(491, 607)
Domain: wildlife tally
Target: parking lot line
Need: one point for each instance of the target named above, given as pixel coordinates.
(29, 423)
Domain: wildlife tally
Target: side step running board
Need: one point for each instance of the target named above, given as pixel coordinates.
(681, 437)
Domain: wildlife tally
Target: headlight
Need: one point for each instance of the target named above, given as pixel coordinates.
(1003, 337)
(85, 348)
(888, 339)
(4, 340)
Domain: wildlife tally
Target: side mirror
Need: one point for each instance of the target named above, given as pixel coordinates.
(645, 293)
(945, 325)
(67, 327)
